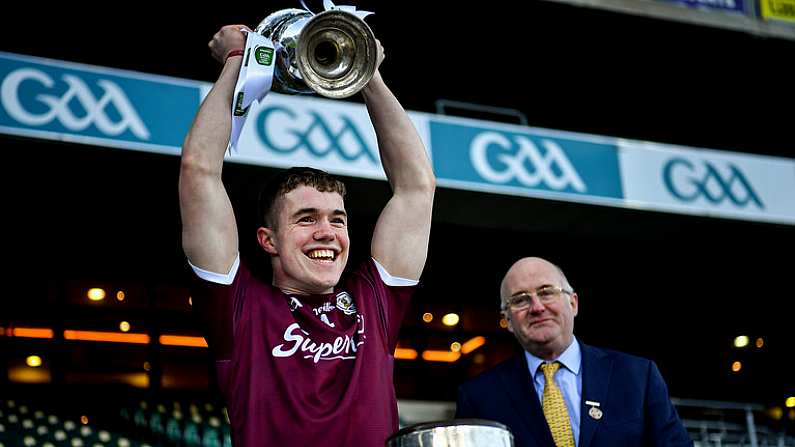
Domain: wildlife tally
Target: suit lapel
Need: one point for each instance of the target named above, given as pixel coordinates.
(596, 369)
(519, 386)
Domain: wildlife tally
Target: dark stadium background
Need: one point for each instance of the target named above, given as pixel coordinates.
(673, 288)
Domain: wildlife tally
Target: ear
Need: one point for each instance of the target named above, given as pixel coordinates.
(266, 240)
(506, 314)
(575, 303)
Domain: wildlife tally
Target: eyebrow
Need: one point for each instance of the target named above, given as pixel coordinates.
(303, 211)
(543, 286)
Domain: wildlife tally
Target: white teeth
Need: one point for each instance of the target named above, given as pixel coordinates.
(321, 254)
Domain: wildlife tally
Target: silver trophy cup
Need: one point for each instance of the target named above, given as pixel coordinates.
(332, 53)
(455, 433)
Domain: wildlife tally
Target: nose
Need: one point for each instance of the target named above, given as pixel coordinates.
(324, 231)
(536, 306)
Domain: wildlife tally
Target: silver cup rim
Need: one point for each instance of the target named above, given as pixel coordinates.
(449, 423)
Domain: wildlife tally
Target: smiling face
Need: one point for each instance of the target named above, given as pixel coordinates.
(545, 330)
(309, 244)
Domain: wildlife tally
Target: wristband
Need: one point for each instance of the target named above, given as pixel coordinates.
(233, 53)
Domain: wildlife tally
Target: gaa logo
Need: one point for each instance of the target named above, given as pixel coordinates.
(318, 137)
(58, 106)
(521, 160)
(687, 182)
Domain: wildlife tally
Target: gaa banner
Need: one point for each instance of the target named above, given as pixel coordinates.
(79, 103)
(56, 100)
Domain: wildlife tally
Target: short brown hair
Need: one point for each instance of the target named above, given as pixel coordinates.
(289, 180)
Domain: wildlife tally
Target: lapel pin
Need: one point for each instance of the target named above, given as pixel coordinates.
(594, 411)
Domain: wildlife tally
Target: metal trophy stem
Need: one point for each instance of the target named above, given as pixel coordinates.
(332, 53)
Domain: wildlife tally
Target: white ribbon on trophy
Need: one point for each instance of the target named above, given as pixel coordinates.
(329, 5)
(256, 73)
(254, 80)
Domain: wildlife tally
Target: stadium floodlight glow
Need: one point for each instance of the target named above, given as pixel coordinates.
(450, 319)
(790, 402)
(116, 337)
(405, 354)
(31, 332)
(183, 340)
(440, 356)
(741, 341)
(34, 361)
(96, 294)
(473, 343)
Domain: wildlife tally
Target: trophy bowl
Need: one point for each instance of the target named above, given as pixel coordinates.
(333, 53)
(455, 433)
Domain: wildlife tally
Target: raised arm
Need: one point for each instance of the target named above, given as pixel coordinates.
(400, 239)
(209, 231)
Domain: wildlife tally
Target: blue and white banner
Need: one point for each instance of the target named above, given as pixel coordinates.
(518, 160)
(120, 109)
(708, 182)
(336, 136)
(93, 105)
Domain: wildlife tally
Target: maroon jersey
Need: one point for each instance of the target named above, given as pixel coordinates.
(305, 370)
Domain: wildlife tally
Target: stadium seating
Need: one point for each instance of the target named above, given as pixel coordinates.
(130, 422)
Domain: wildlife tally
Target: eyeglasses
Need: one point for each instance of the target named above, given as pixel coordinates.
(545, 295)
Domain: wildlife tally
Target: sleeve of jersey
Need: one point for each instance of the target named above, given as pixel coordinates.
(393, 299)
(217, 301)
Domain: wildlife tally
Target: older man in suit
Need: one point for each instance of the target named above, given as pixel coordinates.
(562, 392)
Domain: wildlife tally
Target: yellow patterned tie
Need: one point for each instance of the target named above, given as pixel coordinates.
(555, 408)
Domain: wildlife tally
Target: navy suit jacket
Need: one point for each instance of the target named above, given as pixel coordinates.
(633, 397)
